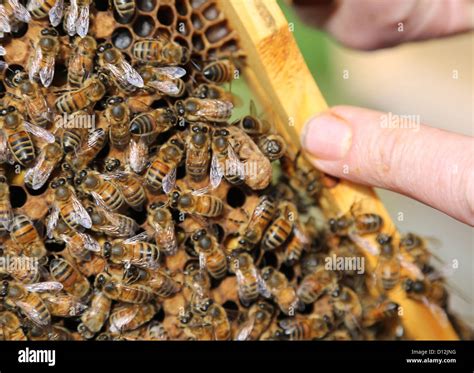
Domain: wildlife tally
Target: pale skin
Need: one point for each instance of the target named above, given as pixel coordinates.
(431, 165)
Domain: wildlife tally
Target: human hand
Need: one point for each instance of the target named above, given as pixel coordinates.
(433, 166)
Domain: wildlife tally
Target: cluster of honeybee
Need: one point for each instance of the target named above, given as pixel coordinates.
(102, 157)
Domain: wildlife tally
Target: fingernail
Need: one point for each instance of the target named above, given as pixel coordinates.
(327, 137)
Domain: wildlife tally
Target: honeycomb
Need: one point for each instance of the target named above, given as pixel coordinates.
(200, 26)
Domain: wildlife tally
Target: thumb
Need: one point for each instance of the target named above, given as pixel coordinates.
(397, 153)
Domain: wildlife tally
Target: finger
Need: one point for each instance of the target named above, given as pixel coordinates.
(368, 24)
(396, 153)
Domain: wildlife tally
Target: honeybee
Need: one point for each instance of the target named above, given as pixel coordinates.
(281, 227)
(303, 328)
(81, 62)
(102, 190)
(387, 271)
(125, 9)
(129, 184)
(259, 319)
(17, 131)
(117, 114)
(162, 171)
(131, 251)
(92, 90)
(382, 310)
(25, 235)
(220, 71)
(52, 333)
(216, 316)
(113, 61)
(161, 220)
(197, 203)
(48, 159)
(63, 305)
(204, 110)
(225, 163)
(249, 282)
(42, 63)
(302, 175)
(276, 285)
(6, 213)
(35, 102)
(26, 299)
(80, 245)
(43, 8)
(76, 20)
(415, 247)
(154, 331)
(160, 52)
(298, 242)
(316, 284)
(433, 293)
(88, 150)
(72, 280)
(197, 151)
(153, 122)
(68, 207)
(257, 168)
(116, 290)
(251, 232)
(158, 280)
(130, 317)
(199, 282)
(11, 12)
(211, 256)
(110, 223)
(164, 80)
(94, 318)
(347, 307)
(10, 327)
(25, 269)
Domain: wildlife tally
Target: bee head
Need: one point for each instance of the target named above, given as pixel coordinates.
(175, 196)
(4, 288)
(199, 235)
(185, 317)
(179, 105)
(267, 272)
(107, 250)
(102, 280)
(112, 164)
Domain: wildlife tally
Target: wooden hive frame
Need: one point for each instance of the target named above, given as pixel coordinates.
(278, 75)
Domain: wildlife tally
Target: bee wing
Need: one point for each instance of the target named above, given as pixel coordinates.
(131, 75)
(411, 267)
(35, 64)
(301, 235)
(137, 155)
(202, 261)
(90, 243)
(4, 22)
(40, 287)
(56, 13)
(143, 236)
(39, 132)
(73, 13)
(168, 87)
(262, 287)
(82, 22)
(217, 172)
(32, 313)
(4, 153)
(436, 310)
(364, 244)
(172, 71)
(38, 175)
(246, 329)
(115, 228)
(51, 221)
(234, 162)
(46, 73)
(80, 214)
(19, 11)
(169, 181)
(32, 5)
(119, 323)
(95, 136)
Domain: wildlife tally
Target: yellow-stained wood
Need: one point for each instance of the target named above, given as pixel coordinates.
(279, 77)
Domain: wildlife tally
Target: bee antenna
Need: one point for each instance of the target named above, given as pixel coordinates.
(194, 63)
